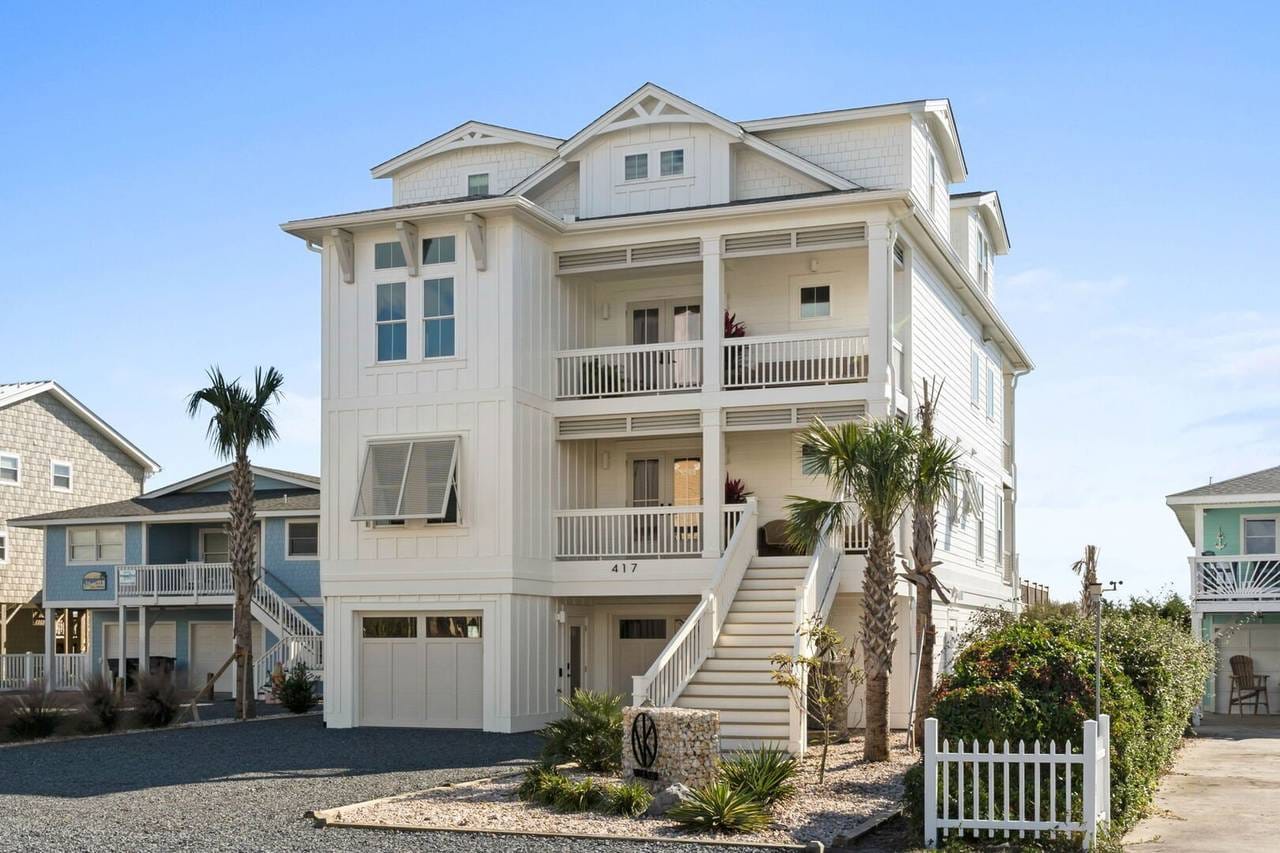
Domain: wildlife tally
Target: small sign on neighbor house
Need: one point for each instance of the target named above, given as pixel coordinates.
(94, 581)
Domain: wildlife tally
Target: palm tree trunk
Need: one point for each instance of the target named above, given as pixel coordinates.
(878, 639)
(922, 548)
(243, 574)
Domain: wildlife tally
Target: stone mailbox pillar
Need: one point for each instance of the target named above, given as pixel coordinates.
(670, 746)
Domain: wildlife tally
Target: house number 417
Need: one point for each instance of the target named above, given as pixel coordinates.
(624, 568)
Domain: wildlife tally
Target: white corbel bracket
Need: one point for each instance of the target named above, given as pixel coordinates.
(409, 243)
(346, 246)
(475, 236)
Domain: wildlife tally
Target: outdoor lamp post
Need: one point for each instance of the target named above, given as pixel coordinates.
(1095, 602)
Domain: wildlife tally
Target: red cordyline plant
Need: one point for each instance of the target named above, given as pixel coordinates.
(733, 328)
(735, 491)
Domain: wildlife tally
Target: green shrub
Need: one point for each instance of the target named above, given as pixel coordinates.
(630, 800)
(157, 702)
(99, 703)
(1032, 679)
(719, 808)
(583, 795)
(535, 780)
(33, 713)
(297, 690)
(764, 774)
(590, 734)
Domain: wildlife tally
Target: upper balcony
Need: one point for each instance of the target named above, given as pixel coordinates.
(1251, 578)
(788, 319)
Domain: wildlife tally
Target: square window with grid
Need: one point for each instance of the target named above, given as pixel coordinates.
(304, 539)
(438, 318)
(388, 256)
(671, 163)
(10, 469)
(60, 476)
(815, 301)
(635, 167)
(95, 544)
(478, 184)
(438, 250)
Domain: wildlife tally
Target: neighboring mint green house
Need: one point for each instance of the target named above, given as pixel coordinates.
(155, 569)
(1233, 526)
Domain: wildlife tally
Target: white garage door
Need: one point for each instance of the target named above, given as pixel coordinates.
(421, 670)
(160, 639)
(211, 645)
(637, 645)
(1260, 642)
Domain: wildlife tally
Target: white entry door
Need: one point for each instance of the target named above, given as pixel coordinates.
(421, 670)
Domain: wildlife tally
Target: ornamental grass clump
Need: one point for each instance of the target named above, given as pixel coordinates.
(32, 714)
(765, 774)
(100, 705)
(629, 800)
(590, 734)
(157, 703)
(720, 808)
(581, 796)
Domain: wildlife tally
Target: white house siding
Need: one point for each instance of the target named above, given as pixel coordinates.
(41, 429)
(942, 337)
(445, 175)
(937, 208)
(757, 175)
(604, 192)
(873, 153)
(763, 291)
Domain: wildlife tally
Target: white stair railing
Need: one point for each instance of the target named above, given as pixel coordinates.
(814, 597)
(286, 652)
(694, 642)
(290, 622)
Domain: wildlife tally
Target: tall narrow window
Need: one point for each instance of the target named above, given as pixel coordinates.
(4, 547)
(984, 262)
(671, 163)
(980, 545)
(10, 469)
(392, 324)
(60, 476)
(636, 167)
(478, 184)
(437, 311)
(438, 250)
(933, 184)
(1000, 550)
(975, 377)
(991, 392)
(388, 256)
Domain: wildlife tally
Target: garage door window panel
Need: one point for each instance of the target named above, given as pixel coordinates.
(454, 627)
(389, 627)
(410, 480)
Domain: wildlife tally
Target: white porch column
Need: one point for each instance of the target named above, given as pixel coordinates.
(122, 669)
(712, 316)
(1207, 697)
(143, 642)
(880, 240)
(712, 483)
(50, 639)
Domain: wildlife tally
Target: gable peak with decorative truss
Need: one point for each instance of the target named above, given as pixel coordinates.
(469, 134)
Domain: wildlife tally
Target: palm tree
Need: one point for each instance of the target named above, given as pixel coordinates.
(937, 465)
(241, 418)
(1087, 569)
(870, 468)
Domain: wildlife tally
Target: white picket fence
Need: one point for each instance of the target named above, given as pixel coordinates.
(1059, 792)
(20, 671)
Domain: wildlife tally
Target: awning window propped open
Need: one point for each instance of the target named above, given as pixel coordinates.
(409, 479)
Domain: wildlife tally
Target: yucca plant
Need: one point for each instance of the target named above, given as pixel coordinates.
(99, 703)
(719, 808)
(33, 713)
(765, 773)
(629, 800)
(590, 734)
(580, 796)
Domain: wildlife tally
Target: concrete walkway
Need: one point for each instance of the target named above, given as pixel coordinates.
(1223, 792)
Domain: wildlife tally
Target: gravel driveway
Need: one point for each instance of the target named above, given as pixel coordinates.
(246, 786)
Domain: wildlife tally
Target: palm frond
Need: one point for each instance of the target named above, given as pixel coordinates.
(239, 419)
(808, 520)
(937, 466)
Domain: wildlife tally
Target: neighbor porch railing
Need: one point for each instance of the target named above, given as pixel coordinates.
(1251, 577)
(177, 579)
(684, 653)
(629, 370)
(20, 671)
(812, 358)
(1058, 792)
(660, 531)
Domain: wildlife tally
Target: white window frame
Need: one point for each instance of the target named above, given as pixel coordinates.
(980, 533)
(453, 283)
(933, 183)
(288, 537)
(1244, 542)
(798, 301)
(97, 559)
(626, 158)
(4, 547)
(53, 476)
(437, 237)
(378, 324)
(975, 377)
(17, 461)
(488, 179)
(991, 392)
(664, 174)
(394, 266)
(453, 478)
(1000, 509)
(984, 261)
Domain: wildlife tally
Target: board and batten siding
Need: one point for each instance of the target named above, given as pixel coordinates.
(942, 338)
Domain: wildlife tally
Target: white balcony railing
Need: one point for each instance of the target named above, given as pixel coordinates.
(1252, 577)
(857, 537)
(661, 531)
(174, 579)
(631, 370)
(815, 358)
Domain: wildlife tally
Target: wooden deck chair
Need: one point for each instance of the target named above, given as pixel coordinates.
(1245, 686)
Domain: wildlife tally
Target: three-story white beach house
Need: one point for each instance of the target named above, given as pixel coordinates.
(562, 380)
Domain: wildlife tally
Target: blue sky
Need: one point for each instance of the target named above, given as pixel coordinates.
(150, 152)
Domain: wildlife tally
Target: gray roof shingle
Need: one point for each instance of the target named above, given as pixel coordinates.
(1266, 481)
(182, 503)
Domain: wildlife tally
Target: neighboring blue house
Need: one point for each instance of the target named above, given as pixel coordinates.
(158, 565)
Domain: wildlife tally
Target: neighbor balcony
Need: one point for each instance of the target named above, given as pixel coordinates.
(1254, 577)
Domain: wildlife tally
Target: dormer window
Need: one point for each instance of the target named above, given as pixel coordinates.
(984, 262)
(478, 184)
(671, 163)
(636, 167)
